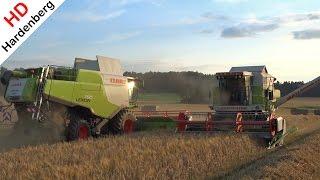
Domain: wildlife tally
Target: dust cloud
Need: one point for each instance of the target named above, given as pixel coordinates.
(19, 130)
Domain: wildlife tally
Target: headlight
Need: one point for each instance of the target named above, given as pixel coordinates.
(131, 85)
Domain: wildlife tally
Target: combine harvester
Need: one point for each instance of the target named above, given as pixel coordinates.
(244, 101)
(94, 93)
(96, 98)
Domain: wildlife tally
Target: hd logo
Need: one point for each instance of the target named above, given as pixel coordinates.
(19, 19)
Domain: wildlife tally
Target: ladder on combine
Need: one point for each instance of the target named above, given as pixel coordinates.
(39, 97)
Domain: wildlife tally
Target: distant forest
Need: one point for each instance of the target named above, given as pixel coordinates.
(288, 87)
(194, 87)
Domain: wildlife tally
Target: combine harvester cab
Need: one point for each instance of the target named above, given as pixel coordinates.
(94, 93)
(245, 89)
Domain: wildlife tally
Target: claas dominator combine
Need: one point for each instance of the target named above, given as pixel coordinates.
(245, 99)
(94, 93)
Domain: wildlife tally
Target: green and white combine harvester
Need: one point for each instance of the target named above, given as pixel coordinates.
(94, 92)
(97, 97)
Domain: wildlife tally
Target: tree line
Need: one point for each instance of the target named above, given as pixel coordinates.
(289, 86)
(193, 87)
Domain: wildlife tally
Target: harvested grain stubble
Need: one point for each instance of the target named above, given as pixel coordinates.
(139, 156)
(299, 160)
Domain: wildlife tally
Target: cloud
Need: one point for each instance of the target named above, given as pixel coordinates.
(171, 65)
(203, 19)
(39, 60)
(119, 37)
(298, 17)
(122, 3)
(248, 29)
(54, 44)
(95, 17)
(151, 65)
(112, 15)
(192, 21)
(253, 26)
(306, 34)
(207, 31)
(230, 1)
(104, 10)
(205, 68)
(94, 11)
(212, 16)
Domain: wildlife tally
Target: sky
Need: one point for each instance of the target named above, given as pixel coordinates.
(207, 36)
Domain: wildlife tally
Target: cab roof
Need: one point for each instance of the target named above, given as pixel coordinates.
(259, 69)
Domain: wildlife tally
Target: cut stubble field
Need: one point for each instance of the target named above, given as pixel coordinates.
(167, 155)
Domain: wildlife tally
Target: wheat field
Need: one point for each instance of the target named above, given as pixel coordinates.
(299, 160)
(167, 155)
(142, 156)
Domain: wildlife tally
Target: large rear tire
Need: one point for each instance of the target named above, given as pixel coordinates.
(122, 123)
(78, 128)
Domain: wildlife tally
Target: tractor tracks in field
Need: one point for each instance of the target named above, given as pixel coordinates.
(254, 168)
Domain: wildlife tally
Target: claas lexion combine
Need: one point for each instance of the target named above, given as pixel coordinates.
(97, 99)
(94, 93)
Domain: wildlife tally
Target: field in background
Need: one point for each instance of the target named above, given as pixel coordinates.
(302, 103)
(159, 98)
(169, 102)
(166, 155)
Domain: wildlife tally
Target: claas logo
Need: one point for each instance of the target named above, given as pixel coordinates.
(117, 81)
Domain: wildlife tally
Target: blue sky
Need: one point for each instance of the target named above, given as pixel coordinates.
(199, 35)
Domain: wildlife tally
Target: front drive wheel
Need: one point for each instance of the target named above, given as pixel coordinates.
(77, 129)
(122, 123)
